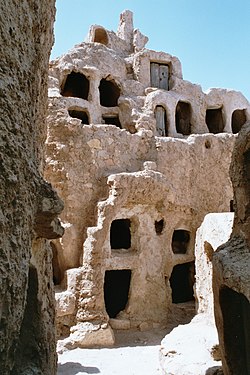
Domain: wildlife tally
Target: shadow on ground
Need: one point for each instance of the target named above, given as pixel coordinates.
(216, 370)
(181, 313)
(74, 368)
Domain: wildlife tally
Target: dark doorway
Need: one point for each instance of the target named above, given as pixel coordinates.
(161, 121)
(112, 120)
(183, 118)
(116, 291)
(238, 120)
(57, 274)
(180, 241)
(182, 281)
(159, 225)
(109, 93)
(101, 36)
(120, 235)
(236, 326)
(76, 85)
(81, 115)
(232, 209)
(214, 120)
(159, 74)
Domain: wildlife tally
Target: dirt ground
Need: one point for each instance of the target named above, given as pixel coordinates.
(135, 352)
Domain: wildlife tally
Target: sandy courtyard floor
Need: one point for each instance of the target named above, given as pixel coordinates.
(135, 353)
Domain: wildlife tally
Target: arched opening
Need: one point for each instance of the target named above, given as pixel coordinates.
(159, 225)
(238, 120)
(116, 291)
(80, 114)
(120, 235)
(214, 120)
(183, 118)
(182, 282)
(161, 121)
(101, 36)
(180, 241)
(236, 328)
(76, 85)
(109, 93)
(112, 120)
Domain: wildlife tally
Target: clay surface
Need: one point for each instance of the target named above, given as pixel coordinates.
(231, 280)
(28, 205)
(139, 156)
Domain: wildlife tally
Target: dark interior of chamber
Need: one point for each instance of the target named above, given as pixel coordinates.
(182, 282)
(120, 235)
(116, 291)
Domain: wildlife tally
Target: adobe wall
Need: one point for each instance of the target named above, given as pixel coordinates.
(193, 348)
(28, 205)
(134, 152)
(214, 231)
(231, 281)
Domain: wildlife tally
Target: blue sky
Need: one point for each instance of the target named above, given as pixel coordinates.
(210, 37)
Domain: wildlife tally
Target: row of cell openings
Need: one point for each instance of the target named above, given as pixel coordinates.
(84, 117)
(117, 287)
(77, 85)
(121, 237)
(214, 120)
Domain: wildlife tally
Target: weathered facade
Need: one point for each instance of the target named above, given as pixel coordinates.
(193, 348)
(231, 264)
(139, 156)
(28, 205)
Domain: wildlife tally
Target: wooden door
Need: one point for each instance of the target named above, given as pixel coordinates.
(159, 74)
(160, 116)
(163, 77)
(154, 74)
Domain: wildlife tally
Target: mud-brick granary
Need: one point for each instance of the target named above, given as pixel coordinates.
(139, 156)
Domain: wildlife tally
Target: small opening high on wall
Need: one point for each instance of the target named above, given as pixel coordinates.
(214, 120)
(180, 241)
(116, 291)
(236, 326)
(120, 235)
(182, 282)
(183, 118)
(109, 93)
(238, 120)
(101, 36)
(76, 85)
(112, 120)
(81, 115)
(161, 121)
(159, 225)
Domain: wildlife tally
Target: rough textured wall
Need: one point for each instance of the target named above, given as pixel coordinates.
(28, 205)
(129, 139)
(231, 281)
(214, 231)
